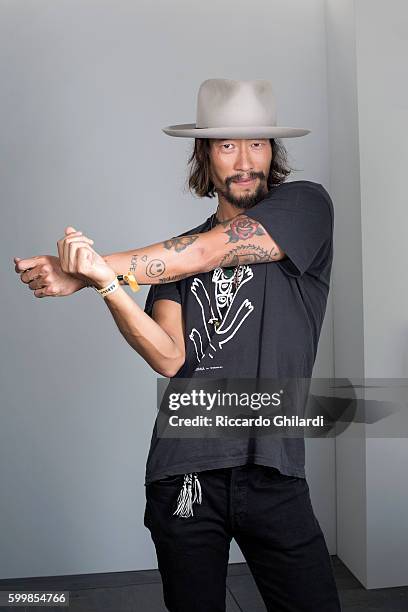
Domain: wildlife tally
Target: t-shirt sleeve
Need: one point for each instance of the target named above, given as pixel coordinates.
(168, 291)
(300, 221)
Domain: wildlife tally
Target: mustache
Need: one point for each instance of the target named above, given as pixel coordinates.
(237, 177)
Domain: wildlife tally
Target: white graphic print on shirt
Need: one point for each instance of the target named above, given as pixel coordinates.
(229, 312)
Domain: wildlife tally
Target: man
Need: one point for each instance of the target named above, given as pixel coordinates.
(242, 295)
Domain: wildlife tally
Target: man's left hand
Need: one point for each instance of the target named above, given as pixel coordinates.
(78, 258)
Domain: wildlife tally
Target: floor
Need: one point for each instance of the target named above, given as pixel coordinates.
(141, 592)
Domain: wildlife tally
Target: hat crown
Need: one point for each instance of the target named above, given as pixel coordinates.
(231, 103)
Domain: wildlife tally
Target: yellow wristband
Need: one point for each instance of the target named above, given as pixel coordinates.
(131, 281)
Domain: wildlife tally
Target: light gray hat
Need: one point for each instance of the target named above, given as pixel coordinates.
(235, 109)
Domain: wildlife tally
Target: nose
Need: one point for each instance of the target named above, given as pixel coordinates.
(243, 162)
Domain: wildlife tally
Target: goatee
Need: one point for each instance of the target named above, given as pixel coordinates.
(246, 200)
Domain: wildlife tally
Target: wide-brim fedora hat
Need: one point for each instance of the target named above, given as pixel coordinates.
(228, 108)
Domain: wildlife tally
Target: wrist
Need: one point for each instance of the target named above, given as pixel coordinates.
(104, 283)
(83, 283)
(113, 296)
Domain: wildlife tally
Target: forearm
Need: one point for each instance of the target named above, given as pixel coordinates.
(162, 262)
(237, 241)
(143, 334)
(182, 256)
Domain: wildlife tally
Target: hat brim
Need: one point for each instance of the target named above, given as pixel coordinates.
(189, 130)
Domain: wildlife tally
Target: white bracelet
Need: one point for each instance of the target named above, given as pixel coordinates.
(109, 289)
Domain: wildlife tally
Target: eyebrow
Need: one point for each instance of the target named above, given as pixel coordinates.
(251, 139)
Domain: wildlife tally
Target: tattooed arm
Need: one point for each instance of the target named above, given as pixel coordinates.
(162, 262)
(239, 240)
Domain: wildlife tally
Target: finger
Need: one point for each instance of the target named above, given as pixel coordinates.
(78, 239)
(40, 293)
(81, 235)
(37, 283)
(60, 243)
(63, 250)
(76, 233)
(73, 254)
(16, 260)
(26, 264)
(83, 258)
(65, 247)
(30, 275)
(69, 233)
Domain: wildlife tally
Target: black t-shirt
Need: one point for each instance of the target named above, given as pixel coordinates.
(276, 318)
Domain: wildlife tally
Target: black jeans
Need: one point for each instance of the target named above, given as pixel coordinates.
(270, 516)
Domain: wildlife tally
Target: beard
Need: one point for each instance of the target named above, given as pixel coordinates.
(246, 200)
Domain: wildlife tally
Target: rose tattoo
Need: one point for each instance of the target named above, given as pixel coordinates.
(242, 228)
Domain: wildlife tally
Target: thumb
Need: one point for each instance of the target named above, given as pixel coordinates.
(69, 230)
(16, 259)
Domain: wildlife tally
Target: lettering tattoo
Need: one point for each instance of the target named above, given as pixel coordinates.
(169, 279)
(179, 243)
(133, 264)
(242, 227)
(155, 267)
(248, 254)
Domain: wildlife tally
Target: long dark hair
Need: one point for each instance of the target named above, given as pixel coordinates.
(200, 183)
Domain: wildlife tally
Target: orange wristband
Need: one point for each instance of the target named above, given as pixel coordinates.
(131, 281)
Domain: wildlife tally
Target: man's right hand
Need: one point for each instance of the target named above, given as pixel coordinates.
(44, 275)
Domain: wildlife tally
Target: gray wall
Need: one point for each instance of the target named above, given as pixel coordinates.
(383, 119)
(86, 87)
(347, 271)
(368, 93)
